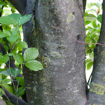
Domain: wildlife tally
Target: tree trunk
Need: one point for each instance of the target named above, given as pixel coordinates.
(56, 29)
(97, 87)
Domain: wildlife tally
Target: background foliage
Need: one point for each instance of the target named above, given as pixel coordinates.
(93, 19)
(12, 58)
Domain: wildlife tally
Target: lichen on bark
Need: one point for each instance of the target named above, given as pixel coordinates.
(97, 88)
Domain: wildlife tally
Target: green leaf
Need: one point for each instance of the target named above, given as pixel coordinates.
(6, 81)
(34, 65)
(24, 19)
(3, 58)
(30, 53)
(18, 58)
(6, 73)
(2, 3)
(20, 81)
(99, 18)
(15, 31)
(14, 36)
(21, 91)
(90, 17)
(20, 45)
(10, 19)
(7, 32)
(94, 24)
(2, 34)
(8, 87)
(89, 65)
(87, 22)
(1, 92)
(13, 71)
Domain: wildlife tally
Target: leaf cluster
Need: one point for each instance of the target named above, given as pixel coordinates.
(12, 58)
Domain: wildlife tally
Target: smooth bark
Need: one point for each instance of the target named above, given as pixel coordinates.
(97, 87)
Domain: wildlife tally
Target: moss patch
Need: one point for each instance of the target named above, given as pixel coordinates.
(97, 88)
(45, 61)
(55, 54)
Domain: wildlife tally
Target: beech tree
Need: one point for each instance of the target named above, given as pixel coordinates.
(57, 30)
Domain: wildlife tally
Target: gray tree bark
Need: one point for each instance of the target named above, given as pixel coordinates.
(96, 94)
(56, 28)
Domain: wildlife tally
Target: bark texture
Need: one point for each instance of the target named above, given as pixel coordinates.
(97, 87)
(55, 29)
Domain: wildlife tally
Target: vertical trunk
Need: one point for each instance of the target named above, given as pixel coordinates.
(97, 88)
(55, 29)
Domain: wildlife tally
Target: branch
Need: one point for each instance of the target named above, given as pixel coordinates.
(84, 5)
(96, 95)
(20, 5)
(13, 99)
(2, 49)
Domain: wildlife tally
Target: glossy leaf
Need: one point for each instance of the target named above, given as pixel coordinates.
(30, 53)
(34, 65)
